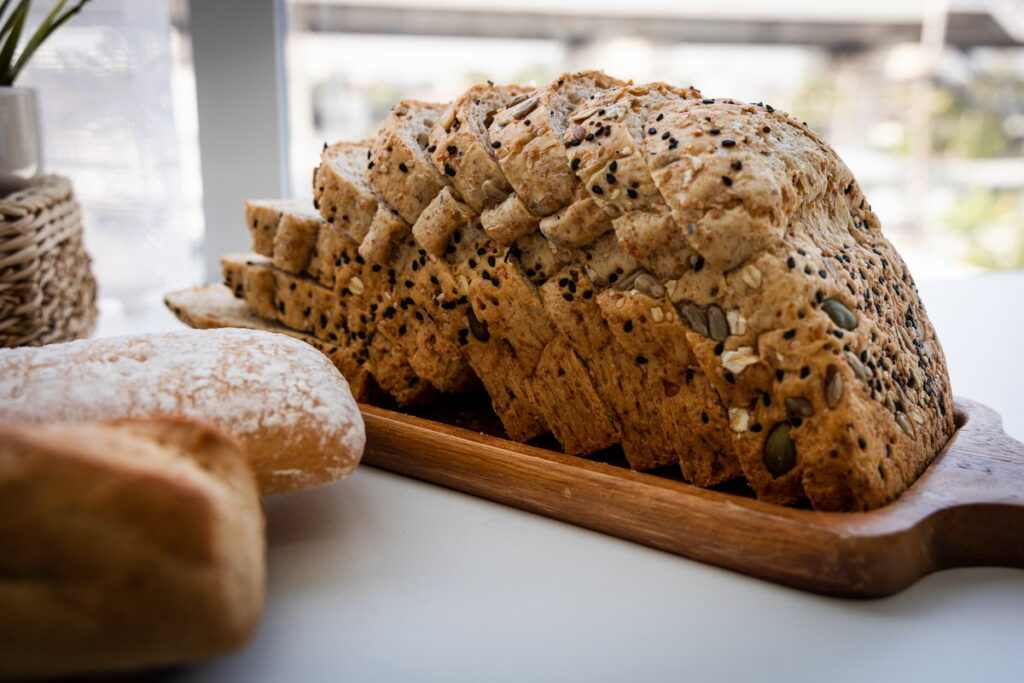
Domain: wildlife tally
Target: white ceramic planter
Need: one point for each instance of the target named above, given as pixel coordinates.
(20, 142)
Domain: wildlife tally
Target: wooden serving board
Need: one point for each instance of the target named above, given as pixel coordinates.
(967, 509)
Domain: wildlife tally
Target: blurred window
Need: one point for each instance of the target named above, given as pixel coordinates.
(117, 99)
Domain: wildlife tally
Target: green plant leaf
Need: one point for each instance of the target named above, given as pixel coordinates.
(9, 23)
(11, 42)
(3, 7)
(46, 27)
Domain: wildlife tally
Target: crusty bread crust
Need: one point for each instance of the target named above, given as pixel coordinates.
(127, 544)
(285, 402)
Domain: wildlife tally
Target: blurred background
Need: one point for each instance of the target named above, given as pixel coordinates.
(168, 113)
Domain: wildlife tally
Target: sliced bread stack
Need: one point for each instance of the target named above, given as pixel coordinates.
(698, 280)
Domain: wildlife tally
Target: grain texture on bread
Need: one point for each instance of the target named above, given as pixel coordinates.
(342, 191)
(400, 166)
(461, 148)
(529, 138)
(285, 402)
(127, 544)
(263, 217)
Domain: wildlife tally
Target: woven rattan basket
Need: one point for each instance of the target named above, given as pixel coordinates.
(47, 291)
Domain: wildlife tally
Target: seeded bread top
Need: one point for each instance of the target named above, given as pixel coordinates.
(460, 145)
(341, 188)
(529, 133)
(611, 163)
(400, 167)
(263, 216)
(731, 213)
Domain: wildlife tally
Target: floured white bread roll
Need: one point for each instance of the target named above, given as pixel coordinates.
(283, 400)
(126, 544)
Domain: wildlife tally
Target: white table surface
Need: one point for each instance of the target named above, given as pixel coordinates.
(383, 578)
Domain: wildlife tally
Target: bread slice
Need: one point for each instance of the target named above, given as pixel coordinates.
(400, 167)
(529, 138)
(332, 255)
(263, 216)
(129, 544)
(214, 306)
(342, 191)
(460, 144)
(445, 303)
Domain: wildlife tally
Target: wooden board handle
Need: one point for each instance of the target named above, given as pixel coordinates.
(977, 491)
(966, 509)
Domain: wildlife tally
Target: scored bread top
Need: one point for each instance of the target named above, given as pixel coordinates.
(612, 160)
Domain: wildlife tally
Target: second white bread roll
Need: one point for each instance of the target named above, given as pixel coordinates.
(283, 400)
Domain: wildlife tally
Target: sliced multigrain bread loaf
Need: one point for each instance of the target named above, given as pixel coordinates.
(697, 279)
(529, 143)
(400, 166)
